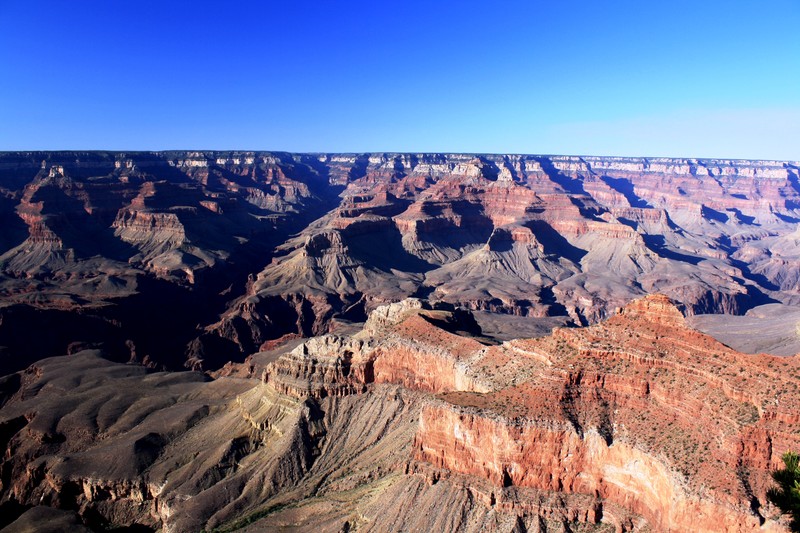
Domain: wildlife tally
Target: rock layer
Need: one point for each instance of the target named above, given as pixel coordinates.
(636, 424)
(203, 260)
(253, 246)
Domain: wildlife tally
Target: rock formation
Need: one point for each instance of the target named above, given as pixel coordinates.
(242, 248)
(638, 423)
(350, 331)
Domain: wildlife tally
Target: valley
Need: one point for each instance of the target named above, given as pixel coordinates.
(250, 341)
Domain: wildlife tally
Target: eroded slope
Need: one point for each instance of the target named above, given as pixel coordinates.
(636, 424)
(192, 259)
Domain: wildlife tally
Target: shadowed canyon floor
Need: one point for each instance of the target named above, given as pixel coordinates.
(248, 341)
(636, 424)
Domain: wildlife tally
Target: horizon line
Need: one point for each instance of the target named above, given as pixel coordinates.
(390, 152)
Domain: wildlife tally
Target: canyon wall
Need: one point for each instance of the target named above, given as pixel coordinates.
(231, 250)
(638, 423)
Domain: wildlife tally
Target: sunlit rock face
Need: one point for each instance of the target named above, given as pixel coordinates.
(222, 252)
(242, 248)
(417, 421)
(356, 330)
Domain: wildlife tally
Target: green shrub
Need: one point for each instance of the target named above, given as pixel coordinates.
(786, 496)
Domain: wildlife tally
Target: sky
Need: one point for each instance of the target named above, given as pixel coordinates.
(678, 78)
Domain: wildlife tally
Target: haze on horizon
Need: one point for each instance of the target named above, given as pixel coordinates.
(682, 79)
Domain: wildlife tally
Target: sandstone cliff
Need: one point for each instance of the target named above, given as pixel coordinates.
(536, 236)
(242, 248)
(638, 423)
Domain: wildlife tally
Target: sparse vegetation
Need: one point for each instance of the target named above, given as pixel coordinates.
(249, 519)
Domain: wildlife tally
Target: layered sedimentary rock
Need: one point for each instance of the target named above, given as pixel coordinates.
(131, 250)
(416, 419)
(653, 416)
(636, 424)
(539, 236)
(610, 412)
(243, 248)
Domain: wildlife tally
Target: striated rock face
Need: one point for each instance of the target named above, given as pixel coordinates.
(541, 236)
(636, 424)
(323, 366)
(418, 419)
(414, 351)
(640, 411)
(610, 412)
(560, 460)
(243, 248)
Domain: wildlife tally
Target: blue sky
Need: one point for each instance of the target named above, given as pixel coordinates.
(694, 79)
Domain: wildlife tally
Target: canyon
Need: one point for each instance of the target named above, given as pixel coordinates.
(260, 341)
(639, 423)
(244, 248)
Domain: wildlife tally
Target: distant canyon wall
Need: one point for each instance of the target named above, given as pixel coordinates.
(222, 252)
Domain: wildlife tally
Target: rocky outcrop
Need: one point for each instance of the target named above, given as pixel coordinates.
(323, 366)
(636, 424)
(414, 351)
(608, 412)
